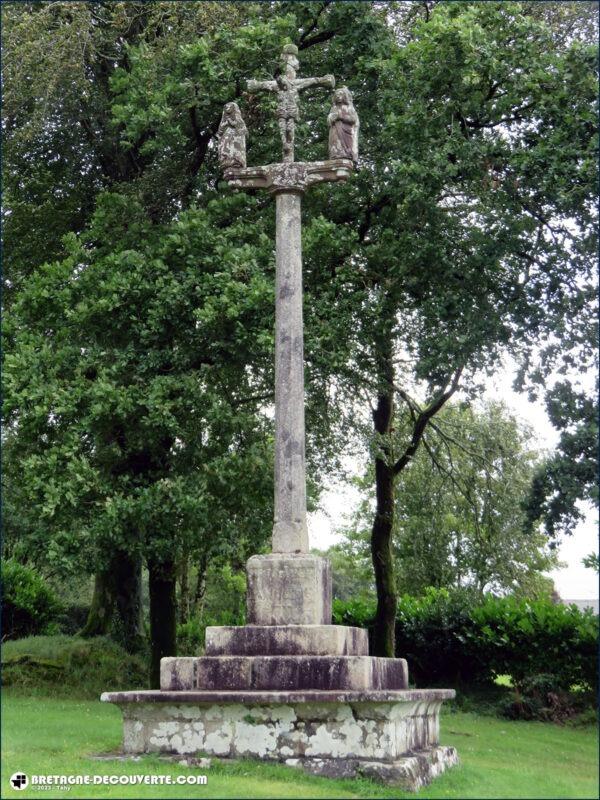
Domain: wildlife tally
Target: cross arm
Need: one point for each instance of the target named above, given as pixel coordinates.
(326, 80)
(258, 86)
(296, 176)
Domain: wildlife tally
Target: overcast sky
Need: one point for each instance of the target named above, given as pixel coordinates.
(573, 582)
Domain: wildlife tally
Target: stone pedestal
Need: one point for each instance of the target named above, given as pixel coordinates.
(289, 590)
(392, 736)
(306, 694)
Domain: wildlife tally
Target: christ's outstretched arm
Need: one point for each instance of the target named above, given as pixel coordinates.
(304, 83)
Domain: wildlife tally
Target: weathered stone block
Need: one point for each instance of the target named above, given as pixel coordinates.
(410, 772)
(283, 673)
(283, 640)
(391, 736)
(288, 590)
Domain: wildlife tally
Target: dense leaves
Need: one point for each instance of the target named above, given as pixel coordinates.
(459, 517)
(476, 641)
(139, 288)
(28, 603)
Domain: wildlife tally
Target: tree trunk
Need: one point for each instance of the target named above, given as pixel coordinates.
(200, 592)
(162, 582)
(102, 606)
(384, 634)
(127, 571)
(184, 590)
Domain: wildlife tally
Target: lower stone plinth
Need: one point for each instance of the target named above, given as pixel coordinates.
(287, 673)
(410, 772)
(375, 733)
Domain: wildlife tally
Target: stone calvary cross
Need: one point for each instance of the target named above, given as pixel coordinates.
(288, 180)
(289, 686)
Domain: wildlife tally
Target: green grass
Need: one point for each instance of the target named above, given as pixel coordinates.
(499, 759)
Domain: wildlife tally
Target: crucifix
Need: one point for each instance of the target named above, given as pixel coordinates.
(288, 180)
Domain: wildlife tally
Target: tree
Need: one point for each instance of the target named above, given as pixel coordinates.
(485, 146)
(449, 247)
(145, 437)
(458, 511)
(570, 474)
(138, 361)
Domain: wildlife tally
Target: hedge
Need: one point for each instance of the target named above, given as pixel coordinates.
(457, 638)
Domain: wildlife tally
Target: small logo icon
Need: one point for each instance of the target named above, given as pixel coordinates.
(19, 781)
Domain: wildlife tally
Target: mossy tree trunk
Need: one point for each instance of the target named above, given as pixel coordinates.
(200, 592)
(384, 634)
(119, 587)
(184, 590)
(127, 572)
(162, 583)
(102, 606)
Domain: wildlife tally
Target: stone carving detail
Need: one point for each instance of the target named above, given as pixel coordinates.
(343, 126)
(288, 88)
(232, 138)
(292, 176)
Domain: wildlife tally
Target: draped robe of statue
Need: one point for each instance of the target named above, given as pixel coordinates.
(232, 138)
(343, 126)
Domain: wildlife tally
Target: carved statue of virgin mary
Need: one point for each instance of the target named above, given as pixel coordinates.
(232, 138)
(343, 126)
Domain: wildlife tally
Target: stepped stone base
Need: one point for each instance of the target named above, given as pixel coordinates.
(286, 640)
(410, 772)
(283, 673)
(390, 735)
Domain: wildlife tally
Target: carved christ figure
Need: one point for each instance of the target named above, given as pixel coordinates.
(288, 89)
(232, 138)
(343, 126)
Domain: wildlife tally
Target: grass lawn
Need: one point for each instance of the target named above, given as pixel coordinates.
(498, 759)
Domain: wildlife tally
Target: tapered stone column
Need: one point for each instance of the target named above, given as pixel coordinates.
(290, 534)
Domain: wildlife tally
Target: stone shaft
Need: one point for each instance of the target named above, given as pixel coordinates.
(290, 534)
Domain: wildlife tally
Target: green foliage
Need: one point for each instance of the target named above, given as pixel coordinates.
(570, 474)
(68, 666)
(457, 638)
(29, 606)
(542, 697)
(459, 517)
(223, 604)
(526, 638)
(592, 561)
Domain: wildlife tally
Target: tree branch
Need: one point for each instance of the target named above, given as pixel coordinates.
(423, 420)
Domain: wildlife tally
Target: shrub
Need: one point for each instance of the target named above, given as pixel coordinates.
(458, 638)
(524, 638)
(437, 636)
(70, 666)
(29, 606)
(543, 698)
(190, 637)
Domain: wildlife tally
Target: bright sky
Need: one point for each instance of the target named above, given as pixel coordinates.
(573, 582)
